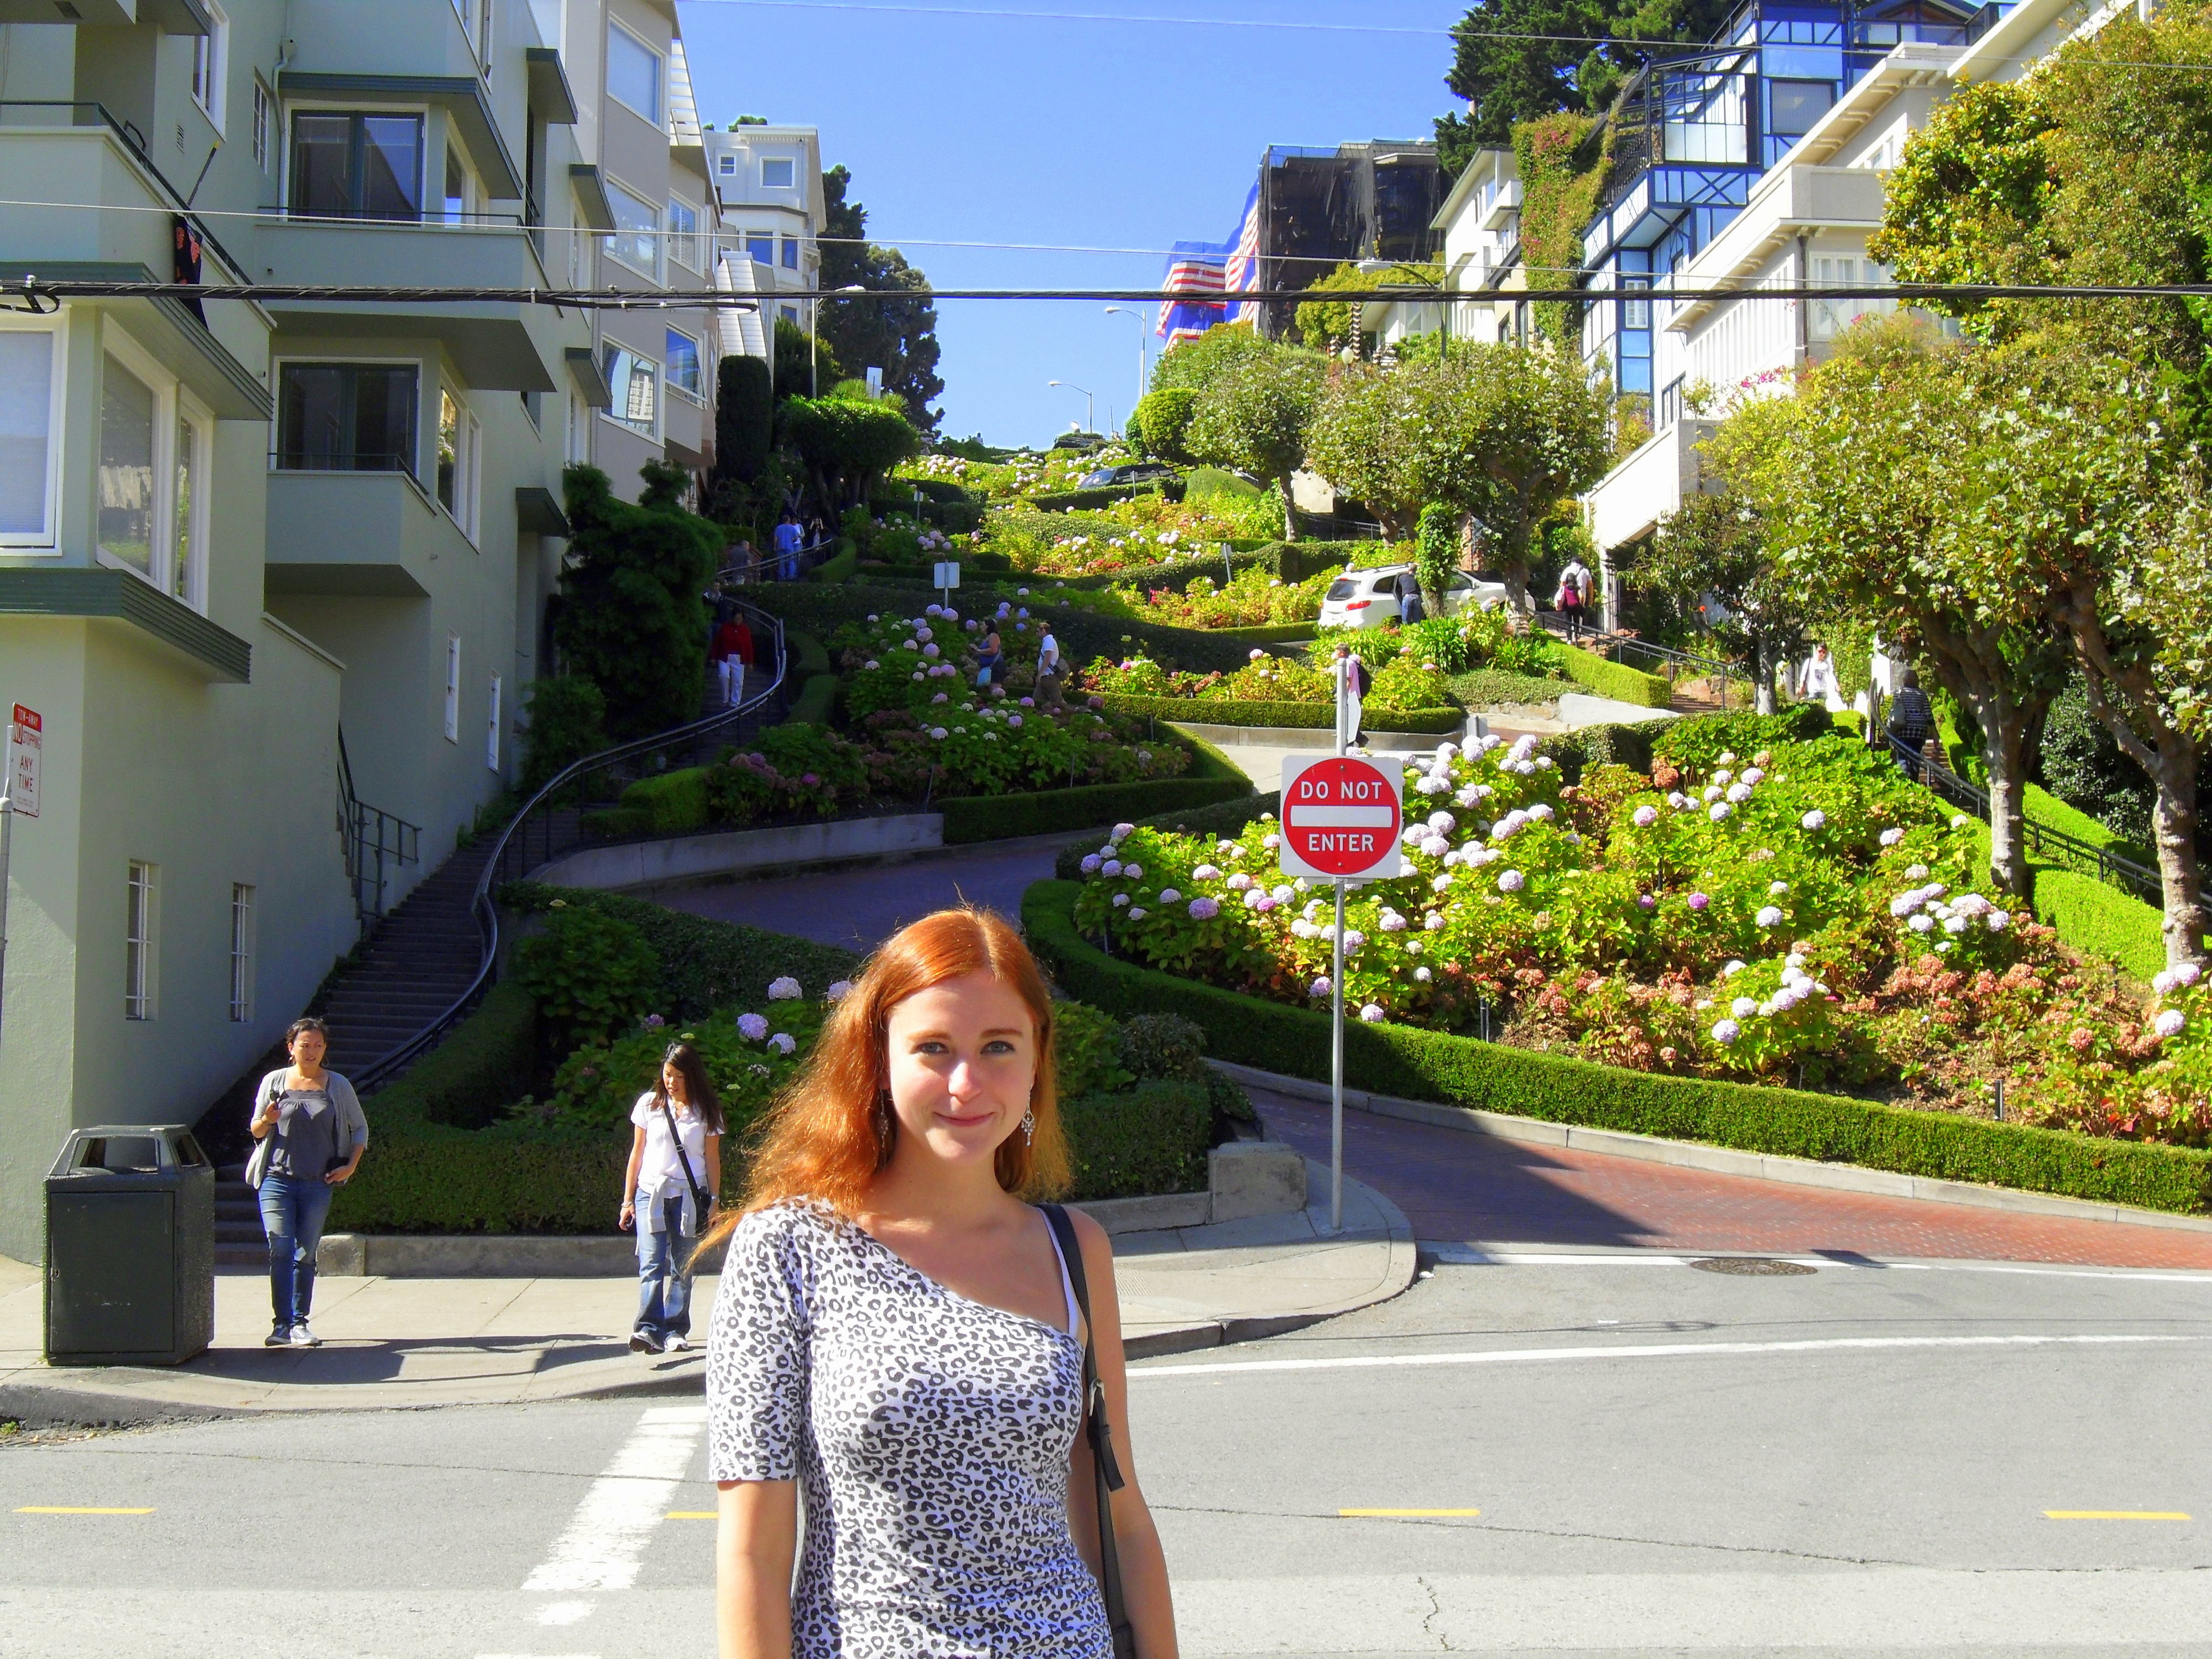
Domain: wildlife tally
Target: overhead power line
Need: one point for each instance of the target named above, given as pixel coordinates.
(40, 293)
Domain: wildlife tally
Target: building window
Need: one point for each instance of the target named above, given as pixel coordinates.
(126, 468)
(790, 253)
(779, 173)
(475, 23)
(636, 240)
(264, 119)
(791, 315)
(683, 232)
(1830, 318)
(210, 63)
(684, 365)
(241, 952)
(761, 245)
(633, 73)
(460, 444)
(726, 165)
(138, 943)
(1794, 106)
(346, 417)
(187, 504)
(460, 187)
(491, 734)
(636, 382)
(452, 688)
(154, 461)
(357, 165)
(29, 389)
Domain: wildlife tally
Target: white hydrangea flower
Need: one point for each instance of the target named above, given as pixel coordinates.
(784, 989)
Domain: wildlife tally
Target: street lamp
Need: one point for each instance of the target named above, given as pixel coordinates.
(1089, 404)
(1144, 346)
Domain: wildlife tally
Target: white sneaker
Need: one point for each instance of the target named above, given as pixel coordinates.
(677, 1344)
(304, 1338)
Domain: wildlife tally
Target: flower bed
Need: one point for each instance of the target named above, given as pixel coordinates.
(1285, 716)
(1797, 915)
(1403, 685)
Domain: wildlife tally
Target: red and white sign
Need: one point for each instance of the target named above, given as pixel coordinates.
(24, 733)
(1341, 817)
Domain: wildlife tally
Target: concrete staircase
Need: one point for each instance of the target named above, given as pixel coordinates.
(240, 1245)
(420, 958)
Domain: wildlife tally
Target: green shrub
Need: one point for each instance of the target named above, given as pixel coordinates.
(1163, 1045)
(839, 567)
(2097, 918)
(2082, 766)
(589, 974)
(1161, 423)
(617, 823)
(1699, 742)
(674, 804)
(1269, 633)
(1289, 716)
(1151, 1139)
(567, 720)
(1422, 1065)
(816, 702)
(1086, 1051)
(1485, 688)
(808, 654)
(1587, 746)
(1003, 817)
(465, 1081)
(1098, 496)
(1615, 679)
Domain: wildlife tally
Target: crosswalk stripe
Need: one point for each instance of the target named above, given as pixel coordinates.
(605, 1542)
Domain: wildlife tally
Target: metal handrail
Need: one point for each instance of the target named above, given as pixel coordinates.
(515, 837)
(394, 835)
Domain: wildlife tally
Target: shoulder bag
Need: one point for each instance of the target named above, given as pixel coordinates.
(684, 1159)
(1100, 1433)
(257, 1167)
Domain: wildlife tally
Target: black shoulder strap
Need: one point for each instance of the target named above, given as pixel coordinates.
(1100, 1432)
(675, 1135)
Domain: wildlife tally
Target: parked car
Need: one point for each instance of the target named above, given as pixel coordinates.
(1136, 472)
(1368, 598)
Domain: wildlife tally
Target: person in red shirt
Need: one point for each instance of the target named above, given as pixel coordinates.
(733, 650)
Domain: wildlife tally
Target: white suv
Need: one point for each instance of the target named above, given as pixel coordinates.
(1368, 598)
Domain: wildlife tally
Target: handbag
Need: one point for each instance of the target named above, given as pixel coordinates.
(1100, 1432)
(257, 1167)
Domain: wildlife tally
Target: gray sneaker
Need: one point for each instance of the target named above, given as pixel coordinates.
(304, 1338)
(279, 1338)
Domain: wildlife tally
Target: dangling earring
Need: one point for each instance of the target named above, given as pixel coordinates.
(1029, 1125)
(886, 1121)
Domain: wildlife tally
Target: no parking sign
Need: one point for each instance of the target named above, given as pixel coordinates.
(1341, 819)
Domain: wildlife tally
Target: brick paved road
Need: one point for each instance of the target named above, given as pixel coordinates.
(1471, 1187)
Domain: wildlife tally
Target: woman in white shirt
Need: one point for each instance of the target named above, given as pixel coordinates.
(1817, 680)
(675, 1173)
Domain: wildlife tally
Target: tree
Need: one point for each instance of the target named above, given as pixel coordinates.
(804, 361)
(1196, 364)
(1359, 440)
(744, 417)
(1716, 543)
(1253, 418)
(1160, 423)
(1326, 324)
(1436, 554)
(846, 443)
(1893, 406)
(898, 336)
(631, 620)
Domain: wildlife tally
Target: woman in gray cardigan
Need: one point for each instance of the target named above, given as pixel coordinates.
(314, 1135)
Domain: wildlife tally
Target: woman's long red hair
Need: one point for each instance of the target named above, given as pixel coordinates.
(827, 1139)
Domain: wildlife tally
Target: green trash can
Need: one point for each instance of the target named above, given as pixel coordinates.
(130, 1247)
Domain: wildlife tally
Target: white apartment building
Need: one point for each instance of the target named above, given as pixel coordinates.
(260, 569)
(1481, 223)
(767, 183)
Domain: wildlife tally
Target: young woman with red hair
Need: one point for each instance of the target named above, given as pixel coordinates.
(898, 1335)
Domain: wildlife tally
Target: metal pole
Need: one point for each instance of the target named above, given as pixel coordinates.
(7, 831)
(1336, 1072)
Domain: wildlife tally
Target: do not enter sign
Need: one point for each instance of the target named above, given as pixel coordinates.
(1341, 817)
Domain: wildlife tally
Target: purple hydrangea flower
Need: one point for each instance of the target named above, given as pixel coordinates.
(1112, 867)
(1646, 901)
(1726, 1031)
(751, 1027)
(1511, 881)
(1091, 863)
(2170, 1022)
(837, 990)
(1646, 815)
(783, 1043)
(785, 989)
(1320, 987)
(1815, 819)
(1371, 1012)
(1204, 909)
(1698, 901)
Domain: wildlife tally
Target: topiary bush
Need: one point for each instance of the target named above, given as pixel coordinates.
(589, 975)
(1160, 423)
(1163, 1045)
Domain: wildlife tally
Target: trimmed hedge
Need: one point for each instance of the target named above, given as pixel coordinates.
(1616, 679)
(816, 702)
(2098, 919)
(808, 654)
(1212, 777)
(1408, 1061)
(1271, 633)
(1289, 716)
(1098, 496)
(1153, 1138)
(838, 567)
(674, 804)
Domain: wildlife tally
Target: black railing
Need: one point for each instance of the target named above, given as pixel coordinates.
(553, 822)
(1622, 647)
(376, 843)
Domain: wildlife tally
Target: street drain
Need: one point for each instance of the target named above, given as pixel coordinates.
(1751, 1267)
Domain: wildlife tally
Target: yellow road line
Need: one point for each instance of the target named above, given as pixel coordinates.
(2114, 1515)
(693, 1515)
(1347, 1514)
(59, 1509)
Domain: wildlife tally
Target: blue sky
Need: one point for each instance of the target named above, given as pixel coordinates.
(1121, 134)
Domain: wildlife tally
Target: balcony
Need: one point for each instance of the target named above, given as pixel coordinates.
(1629, 500)
(499, 345)
(359, 535)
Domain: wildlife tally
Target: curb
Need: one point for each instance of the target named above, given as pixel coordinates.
(1714, 1160)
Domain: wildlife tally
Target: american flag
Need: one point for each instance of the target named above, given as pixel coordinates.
(1196, 269)
(1243, 269)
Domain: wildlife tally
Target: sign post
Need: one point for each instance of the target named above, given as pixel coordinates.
(19, 792)
(947, 574)
(1342, 815)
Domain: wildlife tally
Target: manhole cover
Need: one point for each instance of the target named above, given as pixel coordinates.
(1751, 1267)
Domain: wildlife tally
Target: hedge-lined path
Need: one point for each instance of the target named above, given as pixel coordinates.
(1477, 1190)
(858, 906)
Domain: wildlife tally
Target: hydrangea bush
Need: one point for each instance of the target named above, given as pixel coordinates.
(1798, 915)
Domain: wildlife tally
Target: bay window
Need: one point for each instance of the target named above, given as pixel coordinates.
(156, 450)
(636, 382)
(636, 240)
(29, 386)
(352, 165)
(346, 417)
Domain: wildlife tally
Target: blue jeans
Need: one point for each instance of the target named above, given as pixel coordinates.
(293, 1211)
(663, 1288)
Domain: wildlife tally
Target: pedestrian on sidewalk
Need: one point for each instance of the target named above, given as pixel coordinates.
(1911, 719)
(670, 1191)
(1047, 671)
(903, 1335)
(788, 538)
(1574, 595)
(1353, 683)
(312, 1132)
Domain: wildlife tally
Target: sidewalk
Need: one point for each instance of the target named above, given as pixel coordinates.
(400, 1344)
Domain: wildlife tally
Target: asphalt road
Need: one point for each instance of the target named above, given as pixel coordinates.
(1618, 1454)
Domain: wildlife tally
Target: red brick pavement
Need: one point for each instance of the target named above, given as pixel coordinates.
(1472, 1188)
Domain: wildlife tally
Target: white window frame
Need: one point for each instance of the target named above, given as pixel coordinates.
(45, 542)
(727, 165)
(465, 508)
(265, 124)
(141, 943)
(452, 688)
(683, 245)
(472, 194)
(491, 733)
(211, 66)
(242, 919)
(659, 387)
(657, 118)
(609, 242)
(171, 402)
(791, 161)
(699, 354)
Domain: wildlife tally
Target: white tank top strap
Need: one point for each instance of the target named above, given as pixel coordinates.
(1066, 1284)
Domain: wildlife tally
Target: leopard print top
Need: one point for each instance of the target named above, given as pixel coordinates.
(929, 1435)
